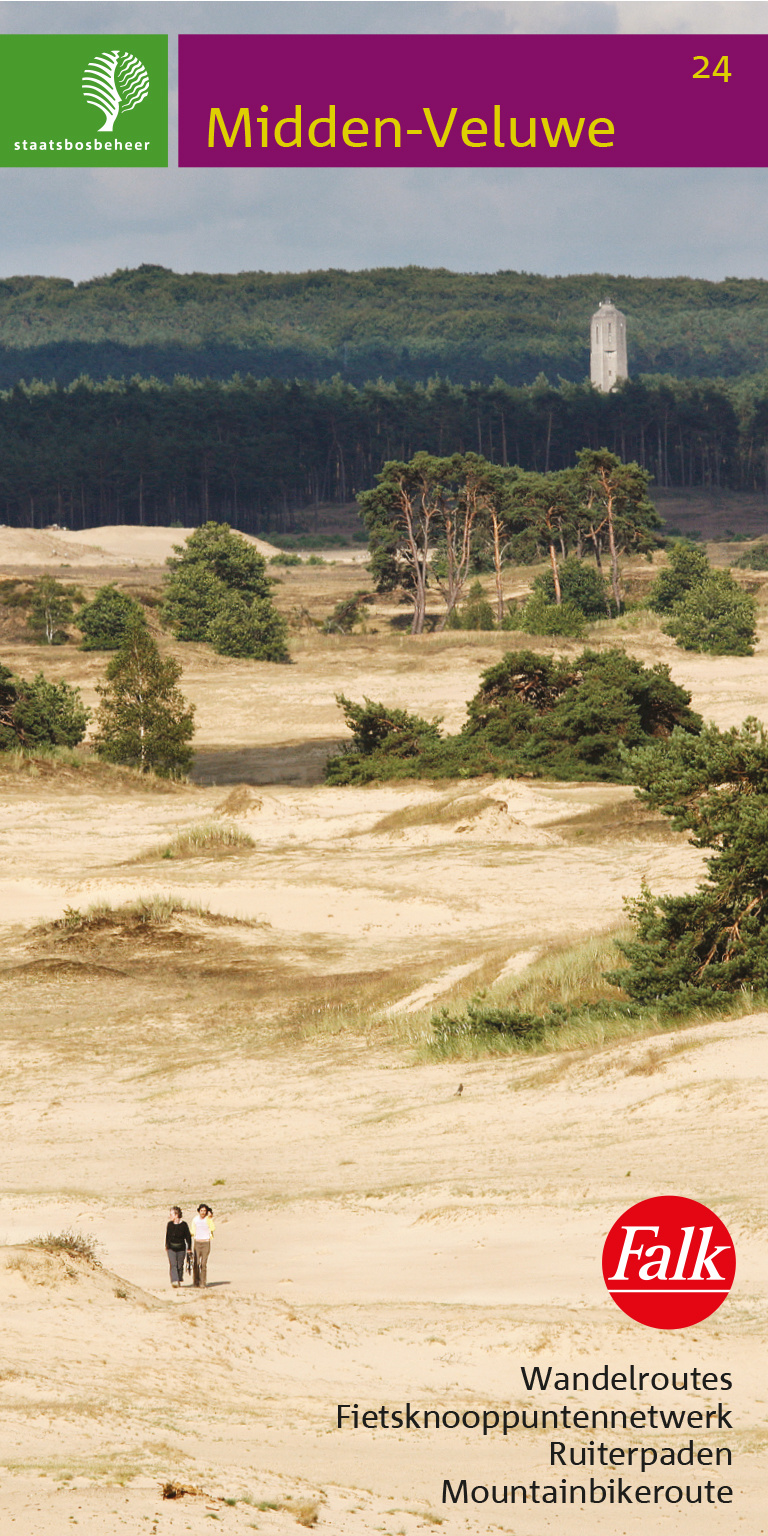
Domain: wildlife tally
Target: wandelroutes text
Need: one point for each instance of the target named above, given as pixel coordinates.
(590, 1468)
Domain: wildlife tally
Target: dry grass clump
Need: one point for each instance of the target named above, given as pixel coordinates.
(357, 1005)
(144, 911)
(636, 621)
(206, 837)
(623, 820)
(657, 1057)
(76, 1244)
(651, 1062)
(305, 1512)
(437, 813)
(178, 1490)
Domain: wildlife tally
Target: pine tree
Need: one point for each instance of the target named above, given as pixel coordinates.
(255, 630)
(218, 591)
(143, 719)
(693, 948)
(688, 567)
(104, 621)
(716, 616)
(39, 713)
(49, 714)
(532, 715)
(580, 584)
(8, 696)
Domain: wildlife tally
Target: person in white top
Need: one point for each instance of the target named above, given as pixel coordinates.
(202, 1232)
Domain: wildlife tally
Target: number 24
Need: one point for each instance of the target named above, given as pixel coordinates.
(721, 69)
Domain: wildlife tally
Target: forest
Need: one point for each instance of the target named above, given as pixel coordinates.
(254, 453)
(409, 324)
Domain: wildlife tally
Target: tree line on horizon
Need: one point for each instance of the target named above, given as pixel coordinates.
(254, 453)
(408, 323)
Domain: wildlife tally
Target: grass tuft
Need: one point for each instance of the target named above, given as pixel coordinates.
(145, 910)
(443, 812)
(76, 1244)
(640, 621)
(205, 837)
(305, 1511)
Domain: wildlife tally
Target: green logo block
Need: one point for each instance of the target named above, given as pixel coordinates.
(84, 100)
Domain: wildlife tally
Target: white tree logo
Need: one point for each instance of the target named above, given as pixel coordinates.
(115, 82)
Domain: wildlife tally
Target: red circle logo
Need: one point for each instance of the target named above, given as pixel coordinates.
(669, 1262)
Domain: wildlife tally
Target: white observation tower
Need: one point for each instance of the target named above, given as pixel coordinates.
(608, 358)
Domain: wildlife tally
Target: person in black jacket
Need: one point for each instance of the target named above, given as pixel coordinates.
(178, 1241)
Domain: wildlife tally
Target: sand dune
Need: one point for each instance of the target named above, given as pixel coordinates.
(380, 1239)
(114, 544)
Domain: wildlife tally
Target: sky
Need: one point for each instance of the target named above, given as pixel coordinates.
(85, 223)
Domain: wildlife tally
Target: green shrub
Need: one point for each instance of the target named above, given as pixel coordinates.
(716, 616)
(379, 733)
(228, 557)
(252, 629)
(580, 584)
(285, 559)
(49, 714)
(39, 713)
(581, 709)
(688, 568)
(14, 593)
(531, 715)
(475, 613)
(754, 559)
(481, 1017)
(193, 596)
(346, 614)
(538, 617)
(103, 622)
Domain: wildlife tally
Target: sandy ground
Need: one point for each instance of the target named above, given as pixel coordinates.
(123, 544)
(114, 544)
(380, 1239)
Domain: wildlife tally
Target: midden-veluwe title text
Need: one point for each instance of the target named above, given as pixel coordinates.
(325, 132)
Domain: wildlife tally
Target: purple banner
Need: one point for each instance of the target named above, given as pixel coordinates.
(459, 100)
